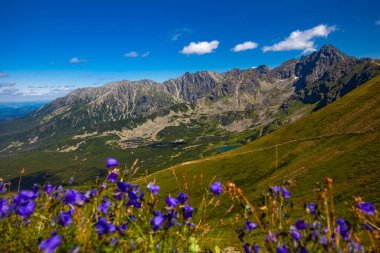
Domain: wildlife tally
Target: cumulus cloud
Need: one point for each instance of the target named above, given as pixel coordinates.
(301, 40)
(3, 74)
(131, 54)
(248, 45)
(199, 48)
(145, 54)
(377, 22)
(75, 60)
(7, 84)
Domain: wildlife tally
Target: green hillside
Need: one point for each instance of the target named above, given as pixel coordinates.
(340, 141)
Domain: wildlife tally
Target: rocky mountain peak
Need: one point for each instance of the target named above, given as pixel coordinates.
(332, 55)
(321, 77)
(263, 69)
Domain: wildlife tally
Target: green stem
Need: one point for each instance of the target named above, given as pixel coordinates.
(19, 183)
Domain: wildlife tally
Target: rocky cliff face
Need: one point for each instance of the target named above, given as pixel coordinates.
(257, 94)
(328, 74)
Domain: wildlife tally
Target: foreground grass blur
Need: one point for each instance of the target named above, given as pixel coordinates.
(117, 216)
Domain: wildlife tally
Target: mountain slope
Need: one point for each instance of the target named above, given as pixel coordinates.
(181, 119)
(341, 141)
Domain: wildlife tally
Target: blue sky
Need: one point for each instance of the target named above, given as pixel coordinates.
(48, 48)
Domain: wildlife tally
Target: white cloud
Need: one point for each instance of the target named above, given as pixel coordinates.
(301, 40)
(248, 45)
(62, 89)
(77, 60)
(200, 48)
(176, 36)
(30, 94)
(3, 74)
(43, 86)
(10, 92)
(7, 84)
(377, 22)
(145, 54)
(178, 33)
(131, 54)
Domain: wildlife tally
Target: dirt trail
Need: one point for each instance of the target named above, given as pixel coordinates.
(260, 149)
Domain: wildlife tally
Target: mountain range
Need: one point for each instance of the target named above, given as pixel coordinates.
(176, 120)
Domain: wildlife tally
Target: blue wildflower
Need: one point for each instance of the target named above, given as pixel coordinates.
(285, 193)
(355, 247)
(275, 190)
(26, 209)
(71, 180)
(111, 162)
(35, 190)
(187, 211)
(134, 199)
(80, 199)
(316, 225)
(70, 197)
(60, 189)
(301, 225)
(114, 241)
(271, 238)
(2, 186)
(112, 177)
(311, 208)
(4, 208)
(118, 195)
(366, 226)
(171, 202)
(103, 227)
(249, 226)
(50, 244)
(73, 197)
(49, 189)
(134, 202)
(157, 221)
(64, 219)
(247, 248)
(124, 187)
(216, 188)
(90, 194)
(24, 197)
(344, 228)
(172, 216)
(122, 228)
(105, 205)
(367, 207)
(153, 188)
(190, 224)
(323, 241)
(182, 198)
(294, 233)
(282, 249)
